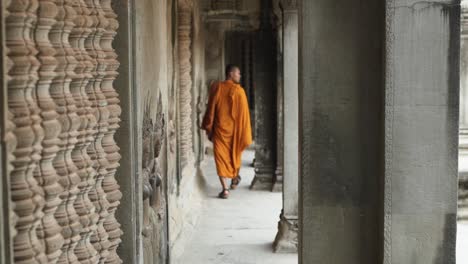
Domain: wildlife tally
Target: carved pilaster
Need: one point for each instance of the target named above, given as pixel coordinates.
(110, 185)
(185, 79)
(26, 194)
(46, 174)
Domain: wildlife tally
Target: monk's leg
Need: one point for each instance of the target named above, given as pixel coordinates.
(236, 180)
(223, 182)
(225, 192)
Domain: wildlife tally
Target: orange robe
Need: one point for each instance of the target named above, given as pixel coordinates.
(227, 120)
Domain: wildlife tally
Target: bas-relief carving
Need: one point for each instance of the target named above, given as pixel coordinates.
(64, 111)
(154, 193)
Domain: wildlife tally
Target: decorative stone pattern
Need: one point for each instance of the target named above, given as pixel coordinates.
(76, 16)
(185, 80)
(155, 229)
(9, 136)
(64, 114)
(45, 173)
(26, 194)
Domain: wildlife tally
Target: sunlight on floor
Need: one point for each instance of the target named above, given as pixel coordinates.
(462, 243)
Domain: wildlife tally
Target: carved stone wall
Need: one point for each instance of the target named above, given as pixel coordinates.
(185, 80)
(65, 112)
(155, 218)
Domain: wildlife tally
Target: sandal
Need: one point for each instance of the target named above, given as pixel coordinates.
(224, 194)
(235, 182)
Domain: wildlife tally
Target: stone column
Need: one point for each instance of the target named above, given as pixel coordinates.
(184, 31)
(127, 137)
(287, 239)
(421, 131)
(7, 146)
(265, 101)
(463, 131)
(378, 134)
(278, 178)
(340, 91)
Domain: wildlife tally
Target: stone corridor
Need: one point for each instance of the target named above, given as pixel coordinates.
(239, 230)
(355, 113)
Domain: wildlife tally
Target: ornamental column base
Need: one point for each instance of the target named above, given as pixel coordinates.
(278, 181)
(263, 180)
(286, 240)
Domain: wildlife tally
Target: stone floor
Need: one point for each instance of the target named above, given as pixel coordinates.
(462, 243)
(239, 230)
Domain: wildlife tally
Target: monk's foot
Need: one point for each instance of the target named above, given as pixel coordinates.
(224, 194)
(235, 182)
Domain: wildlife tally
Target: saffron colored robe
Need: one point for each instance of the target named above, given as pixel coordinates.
(227, 121)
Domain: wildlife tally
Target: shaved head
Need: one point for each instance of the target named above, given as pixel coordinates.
(233, 73)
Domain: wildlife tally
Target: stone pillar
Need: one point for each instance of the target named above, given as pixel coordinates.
(184, 30)
(265, 102)
(287, 239)
(378, 133)
(129, 174)
(340, 91)
(278, 178)
(463, 131)
(7, 146)
(421, 131)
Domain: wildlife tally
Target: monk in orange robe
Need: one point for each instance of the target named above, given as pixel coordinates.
(227, 124)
